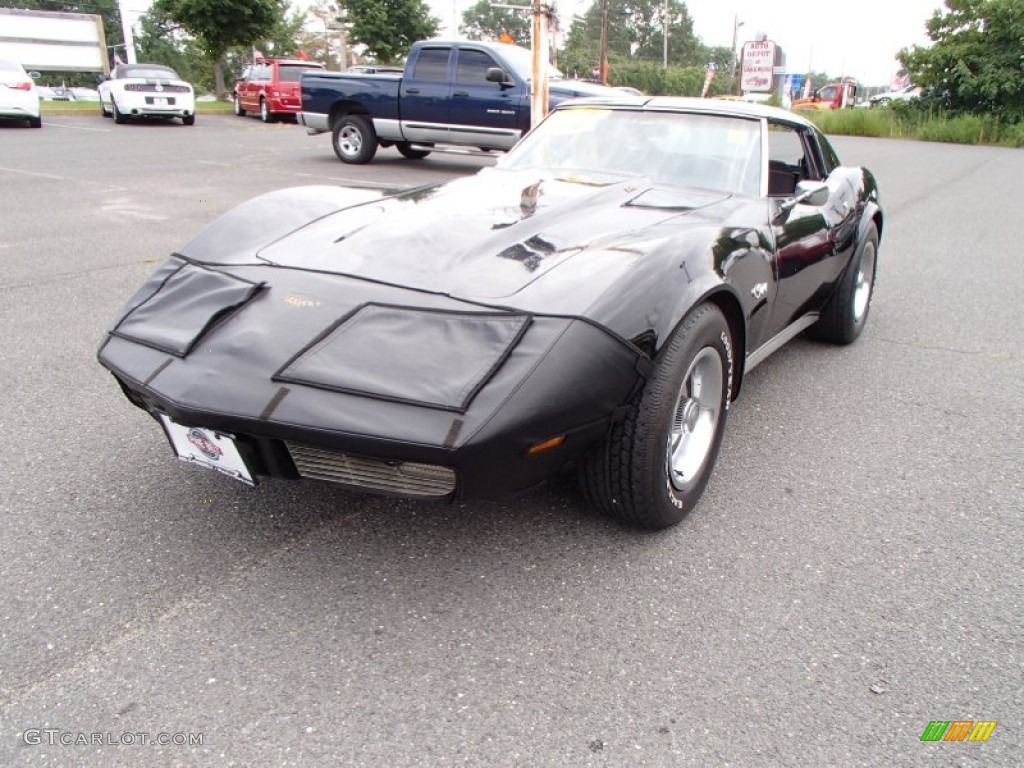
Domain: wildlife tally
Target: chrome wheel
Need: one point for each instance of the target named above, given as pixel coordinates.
(350, 140)
(865, 282)
(695, 418)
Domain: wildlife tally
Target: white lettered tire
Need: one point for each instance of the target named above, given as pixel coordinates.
(653, 467)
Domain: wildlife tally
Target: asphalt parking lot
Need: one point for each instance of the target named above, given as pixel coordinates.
(853, 572)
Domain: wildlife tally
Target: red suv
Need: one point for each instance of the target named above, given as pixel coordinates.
(271, 86)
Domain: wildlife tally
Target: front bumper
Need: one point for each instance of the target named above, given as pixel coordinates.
(562, 376)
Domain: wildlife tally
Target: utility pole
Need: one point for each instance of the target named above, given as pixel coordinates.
(129, 38)
(339, 27)
(604, 42)
(736, 24)
(541, 47)
(664, 52)
(539, 85)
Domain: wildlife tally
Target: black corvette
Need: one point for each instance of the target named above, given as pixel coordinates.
(594, 299)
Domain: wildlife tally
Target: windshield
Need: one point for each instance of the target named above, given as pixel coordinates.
(291, 73)
(599, 145)
(521, 61)
(151, 73)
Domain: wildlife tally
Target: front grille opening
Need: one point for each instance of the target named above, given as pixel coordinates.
(404, 478)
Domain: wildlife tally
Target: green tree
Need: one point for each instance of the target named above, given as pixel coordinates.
(283, 39)
(720, 56)
(976, 61)
(819, 79)
(221, 24)
(322, 39)
(484, 21)
(636, 32)
(388, 27)
(157, 42)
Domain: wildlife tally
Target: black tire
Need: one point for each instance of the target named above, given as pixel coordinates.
(118, 117)
(844, 316)
(635, 476)
(265, 114)
(188, 120)
(35, 122)
(354, 139)
(103, 110)
(238, 107)
(407, 151)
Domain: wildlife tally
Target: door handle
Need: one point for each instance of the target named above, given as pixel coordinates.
(460, 95)
(412, 91)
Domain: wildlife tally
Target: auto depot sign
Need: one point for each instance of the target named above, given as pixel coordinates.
(757, 68)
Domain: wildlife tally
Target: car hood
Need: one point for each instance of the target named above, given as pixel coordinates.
(488, 236)
(575, 88)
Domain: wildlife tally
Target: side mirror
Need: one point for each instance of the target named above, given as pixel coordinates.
(34, 75)
(497, 75)
(812, 193)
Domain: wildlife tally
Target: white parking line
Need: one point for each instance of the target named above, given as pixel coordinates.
(35, 173)
(346, 180)
(50, 124)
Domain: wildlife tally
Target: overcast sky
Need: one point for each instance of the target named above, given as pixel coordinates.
(852, 37)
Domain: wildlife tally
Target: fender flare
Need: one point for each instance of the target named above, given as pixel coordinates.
(710, 288)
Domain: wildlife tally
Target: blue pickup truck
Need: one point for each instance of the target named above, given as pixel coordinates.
(451, 94)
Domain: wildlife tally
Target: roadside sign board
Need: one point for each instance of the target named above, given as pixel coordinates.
(49, 41)
(758, 66)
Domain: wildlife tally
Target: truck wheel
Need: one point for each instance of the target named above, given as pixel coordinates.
(238, 107)
(844, 316)
(652, 468)
(407, 151)
(354, 139)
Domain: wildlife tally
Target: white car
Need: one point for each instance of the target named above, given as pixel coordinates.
(904, 94)
(84, 94)
(19, 98)
(146, 90)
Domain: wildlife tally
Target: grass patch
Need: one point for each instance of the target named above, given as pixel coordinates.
(909, 123)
